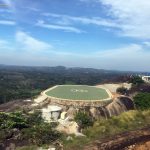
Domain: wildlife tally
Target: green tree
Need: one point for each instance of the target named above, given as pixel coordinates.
(41, 134)
(35, 118)
(122, 90)
(136, 80)
(83, 119)
(30, 126)
(12, 120)
(142, 101)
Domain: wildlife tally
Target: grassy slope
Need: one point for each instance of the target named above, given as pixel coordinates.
(105, 128)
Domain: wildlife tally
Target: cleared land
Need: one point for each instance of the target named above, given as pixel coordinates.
(78, 92)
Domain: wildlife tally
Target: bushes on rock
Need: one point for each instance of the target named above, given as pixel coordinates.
(29, 127)
(12, 120)
(41, 134)
(83, 119)
(122, 90)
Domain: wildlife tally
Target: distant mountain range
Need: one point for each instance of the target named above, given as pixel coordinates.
(63, 68)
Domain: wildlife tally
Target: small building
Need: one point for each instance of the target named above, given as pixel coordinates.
(51, 113)
(146, 79)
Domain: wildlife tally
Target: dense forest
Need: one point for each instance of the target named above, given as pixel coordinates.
(18, 82)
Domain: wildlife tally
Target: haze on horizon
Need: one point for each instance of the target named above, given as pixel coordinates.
(107, 34)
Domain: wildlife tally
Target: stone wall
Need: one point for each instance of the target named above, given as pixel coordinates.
(80, 103)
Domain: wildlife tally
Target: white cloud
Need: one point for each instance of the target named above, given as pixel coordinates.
(132, 16)
(30, 43)
(3, 44)
(58, 27)
(132, 57)
(66, 19)
(146, 43)
(7, 22)
(32, 9)
(7, 2)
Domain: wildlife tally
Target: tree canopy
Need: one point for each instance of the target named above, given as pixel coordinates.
(142, 101)
(83, 119)
(136, 80)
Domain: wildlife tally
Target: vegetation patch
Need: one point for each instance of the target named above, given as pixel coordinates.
(142, 101)
(105, 128)
(31, 128)
(83, 120)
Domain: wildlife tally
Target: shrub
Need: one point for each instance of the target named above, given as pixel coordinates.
(136, 80)
(41, 134)
(122, 90)
(12, 120)
(142, 101)
(83, 119)
(103, 128)
(35, 118)
(30, 126)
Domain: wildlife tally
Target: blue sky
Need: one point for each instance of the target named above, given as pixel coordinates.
(106, 34)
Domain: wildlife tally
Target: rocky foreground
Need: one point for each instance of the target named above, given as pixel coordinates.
(133, 140)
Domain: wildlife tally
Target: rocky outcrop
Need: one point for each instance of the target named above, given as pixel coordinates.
(68, 127)
(142, 146)
(118, 106)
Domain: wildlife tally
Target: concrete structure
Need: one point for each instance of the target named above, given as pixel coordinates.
(63, 115)
(79, 102)
(51, 113)
(146, 78)
(113, 87)
(40, 98)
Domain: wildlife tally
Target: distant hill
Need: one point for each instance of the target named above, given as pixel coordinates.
(21, 82)
(63, 68)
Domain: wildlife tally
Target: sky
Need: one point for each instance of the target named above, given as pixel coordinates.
(104, 34)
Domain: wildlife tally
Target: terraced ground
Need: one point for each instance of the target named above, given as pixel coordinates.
(78, 92)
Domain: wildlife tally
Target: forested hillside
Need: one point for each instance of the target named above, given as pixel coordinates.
(18, 82)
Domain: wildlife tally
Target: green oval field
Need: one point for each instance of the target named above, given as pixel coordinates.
(78, 92)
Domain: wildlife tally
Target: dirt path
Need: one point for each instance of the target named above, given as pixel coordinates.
(124, 141)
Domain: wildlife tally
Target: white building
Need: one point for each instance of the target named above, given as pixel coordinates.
(146, 79)
(51, 113)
